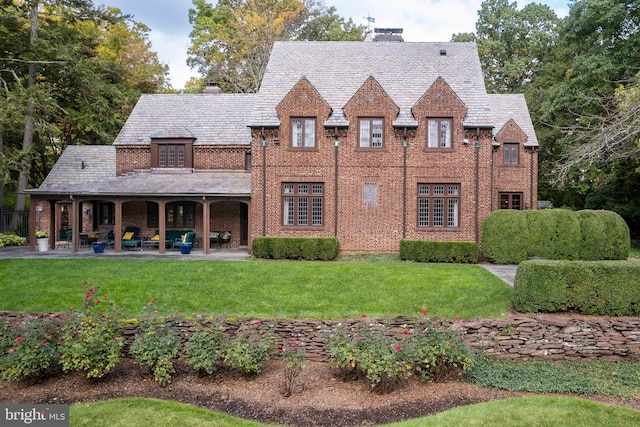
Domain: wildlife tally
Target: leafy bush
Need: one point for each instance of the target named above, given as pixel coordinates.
(421, 251)
(11, 239)
(373, 352)
(92, 339)
(247, 353)
(510, 237)
(155, 348)
(204, 351)
(27, 348)
(292, 356)
(590, 287)
(504, 237)
(325, 248)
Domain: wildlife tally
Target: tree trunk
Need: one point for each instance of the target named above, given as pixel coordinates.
(29, 127)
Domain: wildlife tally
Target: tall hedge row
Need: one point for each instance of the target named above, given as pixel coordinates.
(511, 236)
(609, 288)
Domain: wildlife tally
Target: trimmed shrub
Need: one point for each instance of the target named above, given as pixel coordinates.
(325, 248)
(421, 251)
(589, 287)
(510, 236)
(504, 237)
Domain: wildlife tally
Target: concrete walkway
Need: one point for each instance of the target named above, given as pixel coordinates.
(229, 254)
(504, 272)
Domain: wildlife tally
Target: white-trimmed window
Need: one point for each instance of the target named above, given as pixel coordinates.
(371, 132)
(439, 133)
(302, 204)
(303, 132)
(439, 205)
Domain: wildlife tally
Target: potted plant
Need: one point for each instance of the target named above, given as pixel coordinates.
(42, 240)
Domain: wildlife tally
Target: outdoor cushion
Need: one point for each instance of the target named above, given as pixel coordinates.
(128, 235)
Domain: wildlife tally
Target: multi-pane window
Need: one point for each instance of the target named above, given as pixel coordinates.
(511, 201)
(180, 214)
(439, 133)
(371, 133)
(510, 154)
(171, 155)
(302, 204)
(439, 205)
(303, 132)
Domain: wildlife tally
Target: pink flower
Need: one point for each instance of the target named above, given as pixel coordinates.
(473, 345)
(97, 301)
(116, 338)
(398, 348)
(43, 342)
(51, 336)
(40, 315)
(424, 311)
(11, 350)
(256, 322)
(406, 332)
(19, 339)
(70, 307)
(463, 323)
(52, 316)
(457, 317)
(297, 343)
(400, 369)
(364, 315)
(88, 295)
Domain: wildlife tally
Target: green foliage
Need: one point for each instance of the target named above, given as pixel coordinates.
(246, 353)
(92, 339)
(510, 236)
(11, 239)
(155, 348)
(27, 348)
(204, 351)
(373, 352)
(324, 249)
(292, 356)
(619, 379)
(590, 287)
(504, 237)
(456, 252)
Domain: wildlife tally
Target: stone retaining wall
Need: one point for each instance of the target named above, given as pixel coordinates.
(541, 337)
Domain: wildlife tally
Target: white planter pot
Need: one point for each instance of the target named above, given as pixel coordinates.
(43, 244)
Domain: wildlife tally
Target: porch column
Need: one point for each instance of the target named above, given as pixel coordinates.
(162, 226)
(206, 225)
(32, 224)
(117, 228)
(75, 224)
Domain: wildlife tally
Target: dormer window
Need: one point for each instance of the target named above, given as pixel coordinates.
(171, 155)
(303, 132)
(371, 132)
(439, 133)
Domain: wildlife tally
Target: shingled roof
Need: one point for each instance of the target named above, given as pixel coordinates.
(404, 70)
(505, 107)
(90, 170)
(208, 119)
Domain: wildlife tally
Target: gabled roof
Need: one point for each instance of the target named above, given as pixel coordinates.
(208, 119)
(404, 70)
(90, 170)
(513, 106)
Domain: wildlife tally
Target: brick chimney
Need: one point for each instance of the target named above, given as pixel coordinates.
(211, 88)
(388, 35)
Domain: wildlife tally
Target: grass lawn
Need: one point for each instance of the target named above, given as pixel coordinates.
(263, 289)
(522, 412)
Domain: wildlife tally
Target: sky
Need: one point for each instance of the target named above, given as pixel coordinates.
(421, 21)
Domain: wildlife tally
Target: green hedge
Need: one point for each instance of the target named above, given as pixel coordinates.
(307, 248)
(511, 236)
(590, 287)
(459, 252)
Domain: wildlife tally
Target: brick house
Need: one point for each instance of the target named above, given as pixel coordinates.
(370, 142)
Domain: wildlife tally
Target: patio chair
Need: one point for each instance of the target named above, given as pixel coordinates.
(109, 239)
(131, 238)
(225, 238)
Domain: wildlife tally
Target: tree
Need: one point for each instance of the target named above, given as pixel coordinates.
(70, 73)
(512, 44)
(231, 42)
